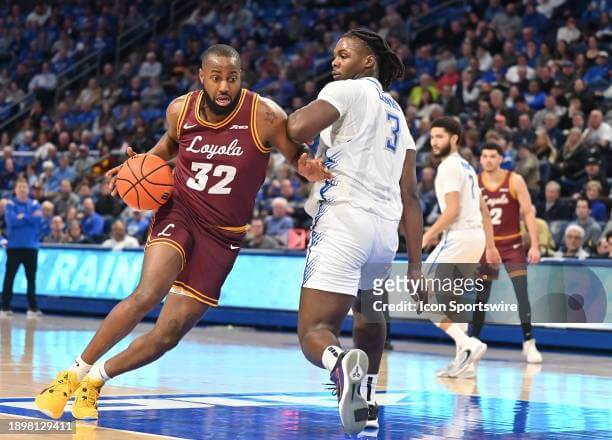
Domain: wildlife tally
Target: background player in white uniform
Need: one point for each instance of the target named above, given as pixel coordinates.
(367, 146)
(467, 232)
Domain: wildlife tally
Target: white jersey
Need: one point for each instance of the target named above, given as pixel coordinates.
(364, 149)
(456, 174)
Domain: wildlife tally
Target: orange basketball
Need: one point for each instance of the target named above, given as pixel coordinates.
(144, 181)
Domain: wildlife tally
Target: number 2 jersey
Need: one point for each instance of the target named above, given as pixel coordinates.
(504, 208)
(364, 149)
(220, 167)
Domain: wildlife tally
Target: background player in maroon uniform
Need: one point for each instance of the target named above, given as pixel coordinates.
(506, 196)
(223, 135)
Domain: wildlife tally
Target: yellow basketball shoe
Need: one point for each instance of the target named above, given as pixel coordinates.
(85, 406)
(52, 400)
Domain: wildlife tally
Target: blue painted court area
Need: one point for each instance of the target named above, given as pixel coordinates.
(313, 416)
(224, 383)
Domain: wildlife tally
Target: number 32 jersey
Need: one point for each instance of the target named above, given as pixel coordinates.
(364, 149)
(220, 167)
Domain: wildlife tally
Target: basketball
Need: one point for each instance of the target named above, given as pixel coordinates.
(145, 182)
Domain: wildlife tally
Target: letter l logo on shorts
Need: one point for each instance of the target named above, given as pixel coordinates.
(165, 232)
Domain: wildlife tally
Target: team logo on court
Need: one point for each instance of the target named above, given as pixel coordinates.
(165, 232)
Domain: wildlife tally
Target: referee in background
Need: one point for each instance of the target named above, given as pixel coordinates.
(23, 224)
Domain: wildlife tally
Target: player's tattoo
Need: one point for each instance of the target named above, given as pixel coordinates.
(270, 117)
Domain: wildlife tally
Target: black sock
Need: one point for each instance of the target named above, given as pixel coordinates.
(520, 289)
(478, 317)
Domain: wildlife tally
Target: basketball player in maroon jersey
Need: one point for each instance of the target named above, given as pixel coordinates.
(222, 136)
(506, 195)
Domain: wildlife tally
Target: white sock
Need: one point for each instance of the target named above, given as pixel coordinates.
(330, 356)
(97, 372)
(464, 328)
(368, 388)
(456, 332)
(80, 368)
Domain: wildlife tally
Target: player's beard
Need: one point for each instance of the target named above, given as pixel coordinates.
(219, 109)
(443, 152)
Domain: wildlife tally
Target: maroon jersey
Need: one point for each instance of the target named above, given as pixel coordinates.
(504, 209)
(220, 167)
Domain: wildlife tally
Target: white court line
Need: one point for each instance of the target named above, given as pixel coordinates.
(121, 404)
(204, 401)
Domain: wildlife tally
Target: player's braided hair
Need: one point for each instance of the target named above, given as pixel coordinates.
(390, 66)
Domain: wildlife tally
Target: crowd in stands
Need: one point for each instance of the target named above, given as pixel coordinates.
(532, 76)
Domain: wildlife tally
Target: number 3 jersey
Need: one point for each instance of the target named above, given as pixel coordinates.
(364, 149)
(220, 167)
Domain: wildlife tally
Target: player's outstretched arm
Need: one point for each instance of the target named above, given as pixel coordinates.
(272, 127)
(491, 252)
(306, 123)
(522, 194)
(166, 147)
(412, 217)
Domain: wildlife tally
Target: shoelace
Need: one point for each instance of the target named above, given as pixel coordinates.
(92, 395)
(331, 386)
(62, 384)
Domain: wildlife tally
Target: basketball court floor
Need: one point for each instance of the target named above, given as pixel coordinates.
(240, 383)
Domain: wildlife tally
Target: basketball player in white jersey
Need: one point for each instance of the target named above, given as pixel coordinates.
(367, 146)
(467, 233)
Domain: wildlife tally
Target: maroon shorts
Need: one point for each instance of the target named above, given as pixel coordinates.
(208, 252)
(513, 257)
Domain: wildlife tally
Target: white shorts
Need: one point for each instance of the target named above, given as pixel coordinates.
(349, 249)
(460, 246)
(456, 257)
